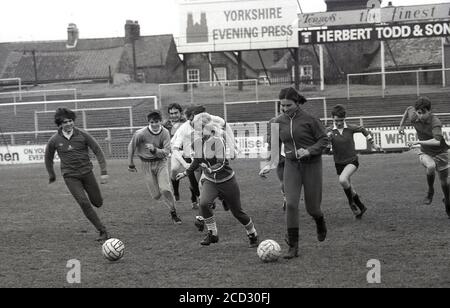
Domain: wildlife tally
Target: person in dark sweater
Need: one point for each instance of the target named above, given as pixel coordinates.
(218, 178)
(304, 138)
(345, 157)
(72, 145)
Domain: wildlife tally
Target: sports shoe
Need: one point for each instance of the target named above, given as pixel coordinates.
(429, 198)
(209, 238)
(354, 209)
(293, 248)
(321, 228)
(447, 208)
(103, 236)
(362, 209)
(253, 240)
(200, 224)
(176, 220)
(292, 252)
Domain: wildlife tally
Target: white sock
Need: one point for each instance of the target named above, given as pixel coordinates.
(250, 228)
(210, 223)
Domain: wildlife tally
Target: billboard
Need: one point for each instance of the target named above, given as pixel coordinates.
(23, 154)
(372, 32)
(208, 26)
(392, 14)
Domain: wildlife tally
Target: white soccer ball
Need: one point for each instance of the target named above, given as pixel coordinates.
(113, 249)
(269, 251)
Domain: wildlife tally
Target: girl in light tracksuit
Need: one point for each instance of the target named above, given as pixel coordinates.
(304, 138)
(218, 179)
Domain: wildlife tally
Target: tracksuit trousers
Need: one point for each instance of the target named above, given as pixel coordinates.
(297, 175)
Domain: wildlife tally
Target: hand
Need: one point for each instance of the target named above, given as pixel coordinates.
(302, 153)
(150, 147)
(376, 147)
(186, 166)
(132, 168)
(180, 176)
(51, 179)
(264, 171)
(411, 144)
(104, 179)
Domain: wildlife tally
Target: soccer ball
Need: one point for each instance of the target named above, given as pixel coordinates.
(113, 249)
(269, 251)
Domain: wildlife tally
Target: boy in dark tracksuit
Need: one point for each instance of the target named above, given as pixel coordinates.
(72, 145)
(218, 180)
(345, 157)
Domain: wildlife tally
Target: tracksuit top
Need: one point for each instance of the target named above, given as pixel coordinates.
(430, 129)
(343, 144)
(73, 153)
(212, 152)
(302, 130)
(145, 136)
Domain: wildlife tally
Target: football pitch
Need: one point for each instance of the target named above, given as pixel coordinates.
(43, 228)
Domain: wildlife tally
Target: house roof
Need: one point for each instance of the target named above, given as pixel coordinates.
(62, 65)
(89, 59)
(253, 60)
(152, 50)
(410, 52)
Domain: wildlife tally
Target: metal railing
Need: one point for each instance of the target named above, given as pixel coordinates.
(83, 113)
(14, 79)
(215, 83)
(77, 101)
(383, 84)
(274, 101)
(44, 93)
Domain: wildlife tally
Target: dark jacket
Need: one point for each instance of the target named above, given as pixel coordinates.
(302, 130)
(74, 153)
(343, 145)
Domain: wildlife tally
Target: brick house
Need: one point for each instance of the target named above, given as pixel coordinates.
(154, 58)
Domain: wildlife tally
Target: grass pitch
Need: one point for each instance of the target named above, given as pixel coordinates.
(43, 228)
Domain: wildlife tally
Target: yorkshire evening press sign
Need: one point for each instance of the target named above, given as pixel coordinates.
(388, 32)
(214, 25)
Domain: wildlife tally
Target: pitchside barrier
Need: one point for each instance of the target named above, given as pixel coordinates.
(251, 139)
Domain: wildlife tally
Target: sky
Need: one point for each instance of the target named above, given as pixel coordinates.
(41, 20)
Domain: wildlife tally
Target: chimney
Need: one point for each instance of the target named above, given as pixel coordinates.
(72, 35)
(132, 31)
